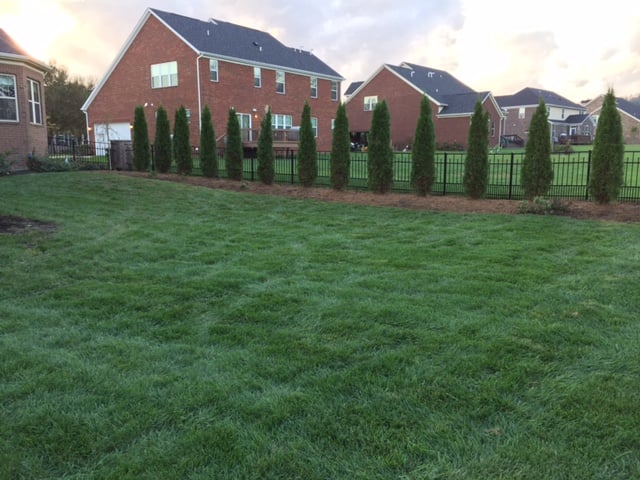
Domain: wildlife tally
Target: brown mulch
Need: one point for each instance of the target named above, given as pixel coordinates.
(627, 212)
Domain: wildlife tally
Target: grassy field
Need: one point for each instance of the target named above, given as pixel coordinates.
(173, 332)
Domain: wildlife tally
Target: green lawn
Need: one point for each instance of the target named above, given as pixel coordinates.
(173, 332)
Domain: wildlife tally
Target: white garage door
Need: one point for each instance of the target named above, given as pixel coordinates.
(105, 132)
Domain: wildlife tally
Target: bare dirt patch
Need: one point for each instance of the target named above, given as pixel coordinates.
(12, 225)
(618, 212)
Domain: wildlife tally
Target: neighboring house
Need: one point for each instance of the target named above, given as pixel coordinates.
(173, 60)
(23, 124)
(402, 87)
(569, 122)
(629, 117)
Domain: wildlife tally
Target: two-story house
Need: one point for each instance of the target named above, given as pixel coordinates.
(402, 88)
(629, 117)
(23, 122)
(569, 122)
(173, 60)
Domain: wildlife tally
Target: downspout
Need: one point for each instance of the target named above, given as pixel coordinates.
(199, 89)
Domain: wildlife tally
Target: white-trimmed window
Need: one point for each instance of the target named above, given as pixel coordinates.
(8, 99)
(281, 122)
(164, 75)
(280, 81)
(370, 103)
(257, 77)
(35, 104)
(213, 69)
(521, 112)
(334, 90)
(314, 87)
(314, 126)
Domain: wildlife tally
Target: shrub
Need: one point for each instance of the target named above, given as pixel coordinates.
(607, 173)
(181, 146)
(208, 150)
(476, 164)
(6, 165)
(233, 153)
(307, 156)
(380, 161)
(340, 150)
(543, 206)
(141, 146)
(266, 167)
(537, 169)
(162, 142)
(424, 150)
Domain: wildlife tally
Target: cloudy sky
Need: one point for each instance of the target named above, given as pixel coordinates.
(577, 49)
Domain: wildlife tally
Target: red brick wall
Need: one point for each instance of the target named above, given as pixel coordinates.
(23, 138)
(130, 85)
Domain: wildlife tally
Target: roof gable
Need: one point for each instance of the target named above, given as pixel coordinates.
(10, 49)
(433, 82)
(631, 108)
(531, 96)
(235, 42)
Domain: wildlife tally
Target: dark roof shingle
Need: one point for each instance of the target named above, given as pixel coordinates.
(531, 96)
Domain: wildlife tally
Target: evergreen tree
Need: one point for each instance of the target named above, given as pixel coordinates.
(266, 167)
(537, 170)
(607, 173)
(307, 156)
(476, 164)
(423, 151)
(380, 161)
(141, 146)
(181, 146)
(340, 150)
(208, 148)
(233, 154)
(162, 143)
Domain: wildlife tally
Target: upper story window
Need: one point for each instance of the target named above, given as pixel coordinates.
(521, 113)
(314, 126)
(314, 87)
(370, 103)
(257, 77)
(280, 87)
(8, 99)
(213, 69)
(334, 90)
(280, 122)
(35, 104)
(164, 75)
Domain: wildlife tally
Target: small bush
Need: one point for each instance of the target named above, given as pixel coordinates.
(544, 206)
(5, 164)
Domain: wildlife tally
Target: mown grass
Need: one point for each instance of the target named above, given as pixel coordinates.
(167, 331)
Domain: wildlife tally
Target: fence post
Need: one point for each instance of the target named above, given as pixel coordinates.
(73, 150)
(293, 179)
(511, 176)
(253, 165)
(586, 193)
(444, 175)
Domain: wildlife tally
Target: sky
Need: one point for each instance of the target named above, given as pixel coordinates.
(576, 49)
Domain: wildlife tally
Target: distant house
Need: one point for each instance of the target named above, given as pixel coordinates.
(402, 87)
(23, 122)
(569, 121)
(173, 60)
(629, 116)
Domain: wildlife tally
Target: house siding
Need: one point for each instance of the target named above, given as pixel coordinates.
(130, 84)
(23, 138)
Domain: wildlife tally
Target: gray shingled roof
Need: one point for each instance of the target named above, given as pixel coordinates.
(9, 46)
(228, 40)
(577, 119)
(353, 86)
(631, 108)
(531, 96)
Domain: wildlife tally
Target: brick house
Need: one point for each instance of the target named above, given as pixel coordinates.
(569, 122)
(173, 60)
(23, 122)
(402, 87)
(629, 117)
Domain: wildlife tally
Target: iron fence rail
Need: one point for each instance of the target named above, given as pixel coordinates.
(571, 170)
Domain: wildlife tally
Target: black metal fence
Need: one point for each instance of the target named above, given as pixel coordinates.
(571, 170)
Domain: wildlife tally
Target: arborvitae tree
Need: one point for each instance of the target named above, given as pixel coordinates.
(380, 162)
(266, 168)
(537, 170)
(162, 143)
(607, 172)
(340, 150)
(476, 164)
(233, 155)
(141, 146)
(208, 149)
(307, 156)
(423, 151)
(181, 146)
